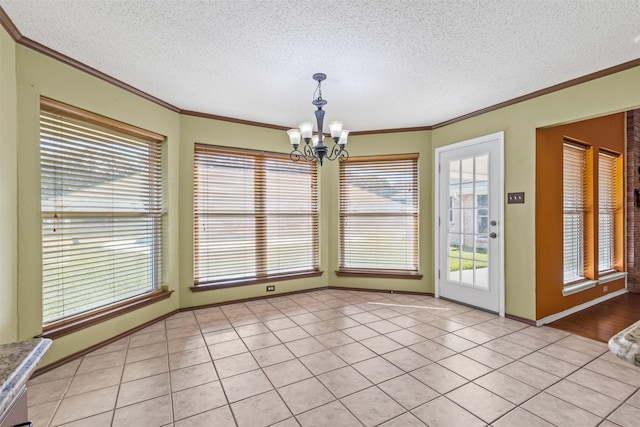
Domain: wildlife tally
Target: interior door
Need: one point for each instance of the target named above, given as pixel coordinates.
(470, 228)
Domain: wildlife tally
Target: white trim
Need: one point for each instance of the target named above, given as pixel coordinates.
(437, 220)
(577, 308)
(611, 277)
(501, 160)
(588, 284)
(578, 287)
(500, 191)
(436, 227)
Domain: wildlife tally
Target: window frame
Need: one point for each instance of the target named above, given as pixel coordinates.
(582, 211)
(615, 210)
(591, 237)
(344, 214)
(158, 291)
(261, 216)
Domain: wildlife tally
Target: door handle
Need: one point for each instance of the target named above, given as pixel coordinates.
(493, 235)
(494, 223)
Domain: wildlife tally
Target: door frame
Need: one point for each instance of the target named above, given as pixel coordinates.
(500, 215)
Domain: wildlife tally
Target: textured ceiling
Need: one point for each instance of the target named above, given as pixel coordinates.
(390, 63)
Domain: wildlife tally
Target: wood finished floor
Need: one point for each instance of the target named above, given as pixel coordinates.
(603, 320)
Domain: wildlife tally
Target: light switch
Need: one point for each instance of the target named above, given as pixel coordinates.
(515, 197)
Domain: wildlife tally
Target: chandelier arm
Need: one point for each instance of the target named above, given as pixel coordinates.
(308, 153)
(296, 155)
(335, 151)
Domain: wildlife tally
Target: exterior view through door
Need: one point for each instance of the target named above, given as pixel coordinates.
(469, 237)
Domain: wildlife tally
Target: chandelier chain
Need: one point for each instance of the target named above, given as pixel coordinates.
(318, 91)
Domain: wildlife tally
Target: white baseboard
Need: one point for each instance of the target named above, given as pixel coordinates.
(577, 308)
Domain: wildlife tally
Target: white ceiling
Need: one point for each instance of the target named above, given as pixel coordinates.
(390, 63)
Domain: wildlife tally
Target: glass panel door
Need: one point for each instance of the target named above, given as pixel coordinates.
(470, 215)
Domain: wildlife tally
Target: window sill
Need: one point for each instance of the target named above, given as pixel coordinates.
(612, 276)
(254, 281)
(574, 288)
(68, 326)
(384, 274)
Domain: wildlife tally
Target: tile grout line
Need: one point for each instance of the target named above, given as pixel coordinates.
(224, 392)
(166, 333)
(291, 308)
(552, 384)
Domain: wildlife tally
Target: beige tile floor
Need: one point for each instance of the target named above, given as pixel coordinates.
(341, 358)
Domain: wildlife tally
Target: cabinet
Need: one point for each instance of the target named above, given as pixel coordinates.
(17, 413)
(18, 360)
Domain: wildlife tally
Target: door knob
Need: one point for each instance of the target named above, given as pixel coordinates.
(493, 235)
(494, 223)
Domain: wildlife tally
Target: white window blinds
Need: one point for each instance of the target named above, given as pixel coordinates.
(609, 186)
(101, 203)
(574, 176)
(255, 216)
(379, 214)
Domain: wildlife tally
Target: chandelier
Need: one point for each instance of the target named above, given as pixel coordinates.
(314, 148)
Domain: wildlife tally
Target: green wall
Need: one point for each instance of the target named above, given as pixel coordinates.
(214, 132)
(25, 75)
(380, 144)
(39, 75)
(8, 192)
(199, 130)
(614, 93)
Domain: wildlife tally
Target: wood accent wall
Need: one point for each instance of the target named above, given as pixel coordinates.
(607, 133)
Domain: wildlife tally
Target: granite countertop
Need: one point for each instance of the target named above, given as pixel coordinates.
(626, 344)
(17, 362)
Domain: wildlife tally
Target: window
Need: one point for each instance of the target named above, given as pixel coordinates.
(379, 215)
(587, 254)
(101, 204)
(609, 208)
(574, 172)
(255, 217)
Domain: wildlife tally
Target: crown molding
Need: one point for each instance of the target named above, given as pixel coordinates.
(9, 26)
(555, 88)
(31, 44)
(232, 120)
(394, 130)
(15, 34)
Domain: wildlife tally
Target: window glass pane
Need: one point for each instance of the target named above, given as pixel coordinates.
(101, 204)
(608, 188)
(482, 169)
(255, 215)
(482, 221)
(467, 170)
(573, 205)
(454, 269)
(454, 175)
(482, 198)
(226, 247)
(379, 214)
